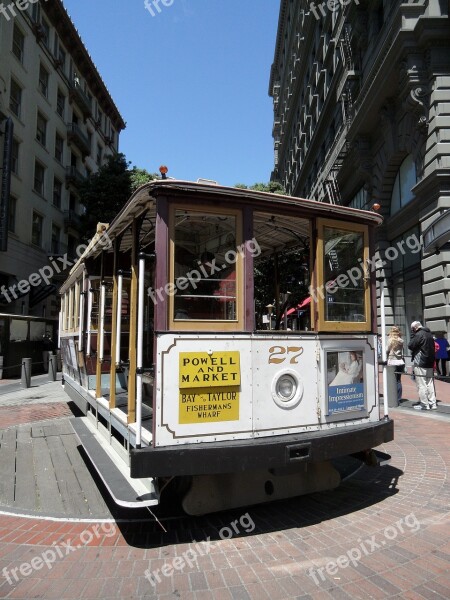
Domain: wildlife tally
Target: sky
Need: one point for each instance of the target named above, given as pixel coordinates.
(191, 82)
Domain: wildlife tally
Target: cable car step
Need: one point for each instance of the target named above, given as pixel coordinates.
(126, 492)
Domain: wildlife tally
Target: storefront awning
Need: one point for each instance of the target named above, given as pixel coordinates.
(300, 306)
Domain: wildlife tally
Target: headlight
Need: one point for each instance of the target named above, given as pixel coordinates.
(286, 388)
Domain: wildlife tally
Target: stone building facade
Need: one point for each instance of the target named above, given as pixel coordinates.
(361, 93)
(58, 124)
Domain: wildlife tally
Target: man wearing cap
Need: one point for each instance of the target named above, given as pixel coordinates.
(422, 352)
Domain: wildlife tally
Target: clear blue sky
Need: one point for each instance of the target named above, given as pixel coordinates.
(191, 82)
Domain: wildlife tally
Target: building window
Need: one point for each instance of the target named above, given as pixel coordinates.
(100, 119)
(62, 58)
(43, 80)
(71, 245)
(407, 280)
(99, 155)
(18, 43)
(45, 28)
(15, 157)
(59, 54)
(36, 13)
(12, 214)
(41, 129)
(359, 200)
(56, 236)
(36, 230)
(406, 179)
(57, 192)
(59, 148)
(60, 104)
(39, 178)
(15, 100)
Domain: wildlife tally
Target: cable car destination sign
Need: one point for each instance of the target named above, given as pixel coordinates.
(209, 387)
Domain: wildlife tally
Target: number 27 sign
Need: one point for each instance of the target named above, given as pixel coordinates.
(280, 354)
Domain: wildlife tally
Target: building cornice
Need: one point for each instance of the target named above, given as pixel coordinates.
(279, 42)
(67, 31)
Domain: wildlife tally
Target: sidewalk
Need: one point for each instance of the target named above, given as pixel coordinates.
(42, 388)
(411, 396)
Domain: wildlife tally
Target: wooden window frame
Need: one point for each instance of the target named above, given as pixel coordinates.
(339, 326)
(204, 324)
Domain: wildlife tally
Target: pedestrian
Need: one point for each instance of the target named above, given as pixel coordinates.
(422, 352)
(441, 354)
(395, 357)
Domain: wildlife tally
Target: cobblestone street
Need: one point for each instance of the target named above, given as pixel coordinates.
(384, 533)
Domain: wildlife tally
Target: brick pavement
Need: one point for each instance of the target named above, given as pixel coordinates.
(385, 533)
(18, 415)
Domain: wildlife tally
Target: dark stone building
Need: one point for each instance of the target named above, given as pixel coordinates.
(361, 93)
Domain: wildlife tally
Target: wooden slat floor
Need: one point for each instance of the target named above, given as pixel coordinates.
(42, 472)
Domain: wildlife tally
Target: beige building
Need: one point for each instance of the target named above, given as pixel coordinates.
(65, 124)
(361, 93)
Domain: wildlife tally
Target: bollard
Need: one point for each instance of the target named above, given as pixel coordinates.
(391, 386)
(25, 378)
(52, 367)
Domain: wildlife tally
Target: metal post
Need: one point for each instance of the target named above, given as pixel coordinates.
(119, 315)
(139, 354)
(81, 316)
(101, 329)
(60, 324)
(383, 347)
(52, 367)
(88, 321)
(391, 379)
(25, 378)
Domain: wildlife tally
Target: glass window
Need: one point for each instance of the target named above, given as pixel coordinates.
(18, 330)
(281, 272)
(204, 272)
(56, 237)
(36, 12)
(99, 155)
(43, 80)
(60, 103)
(100, 119)
(15, 99)
(343, 286)
(41, 129)
(407, 251)
(59, 148)
(45, 28)
(36, 231)
(406, 179)
(359, 200)
(57, 192)
(15, 157)
(18, 43)
(37, 331)
(12, 214)
(59, 54)
(39, 178)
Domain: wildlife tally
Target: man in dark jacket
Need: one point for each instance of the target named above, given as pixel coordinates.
(422, 352)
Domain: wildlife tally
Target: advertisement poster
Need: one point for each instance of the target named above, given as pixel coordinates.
(345, 379)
